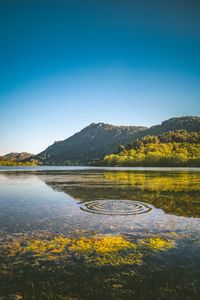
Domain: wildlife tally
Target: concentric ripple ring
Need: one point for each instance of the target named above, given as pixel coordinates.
(116, 207)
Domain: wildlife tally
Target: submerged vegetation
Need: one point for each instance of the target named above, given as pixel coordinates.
(95, 251)
(52, 249)
(45, 266)
(179, 148)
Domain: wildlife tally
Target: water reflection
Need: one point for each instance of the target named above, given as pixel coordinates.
(176, 193)
(52, 202)
(142, 235)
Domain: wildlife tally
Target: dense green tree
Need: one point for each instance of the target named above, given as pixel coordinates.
(178, 148)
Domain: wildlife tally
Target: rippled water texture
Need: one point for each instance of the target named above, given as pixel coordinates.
(116, 207)
(99, 234)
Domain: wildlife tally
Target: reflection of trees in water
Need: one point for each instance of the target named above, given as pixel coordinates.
(175, 193)
(158, 181)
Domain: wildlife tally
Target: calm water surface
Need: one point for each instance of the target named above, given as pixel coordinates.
(99, 233)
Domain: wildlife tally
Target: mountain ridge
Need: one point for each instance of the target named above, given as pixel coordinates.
(90, 143)
(189, 123)
(98, 139)
(17, 156)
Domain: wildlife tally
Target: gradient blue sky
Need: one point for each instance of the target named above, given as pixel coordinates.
(66, 64)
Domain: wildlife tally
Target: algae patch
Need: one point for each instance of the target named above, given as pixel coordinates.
(103, 250)
(157, 243)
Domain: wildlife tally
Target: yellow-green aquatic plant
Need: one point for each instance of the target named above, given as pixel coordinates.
(55, 245)
(105, 244)
(107, 250)
(114, 250)
(156, 243)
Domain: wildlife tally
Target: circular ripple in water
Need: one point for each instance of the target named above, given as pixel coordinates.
(116, 207)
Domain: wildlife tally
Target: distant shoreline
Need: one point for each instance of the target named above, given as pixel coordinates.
(98, 168)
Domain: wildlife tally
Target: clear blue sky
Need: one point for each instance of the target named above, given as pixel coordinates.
(66, 64)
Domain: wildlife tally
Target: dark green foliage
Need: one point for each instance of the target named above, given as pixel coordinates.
(92, 142)
(178, 136)
(189, 123)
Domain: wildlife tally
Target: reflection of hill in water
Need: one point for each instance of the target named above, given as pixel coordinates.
(175, 193)
(157, 181)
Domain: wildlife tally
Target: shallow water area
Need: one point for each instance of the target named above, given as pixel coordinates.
(99, 233)
(116, 207)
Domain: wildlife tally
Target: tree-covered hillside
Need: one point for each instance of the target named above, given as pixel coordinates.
(95, 141)
(178, 148)
(18, 159)
(189, 123)
(17, 156)
(92, 142)
(98, 139)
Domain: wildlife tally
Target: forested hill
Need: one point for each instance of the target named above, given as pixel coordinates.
(189, 123)
(17, 156)
(98, 139)
(18, 159)
(92, 142)
(177, 148)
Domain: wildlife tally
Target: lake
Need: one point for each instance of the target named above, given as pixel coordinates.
(99, 233)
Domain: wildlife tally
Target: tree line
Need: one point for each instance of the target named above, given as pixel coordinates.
(175, 148)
